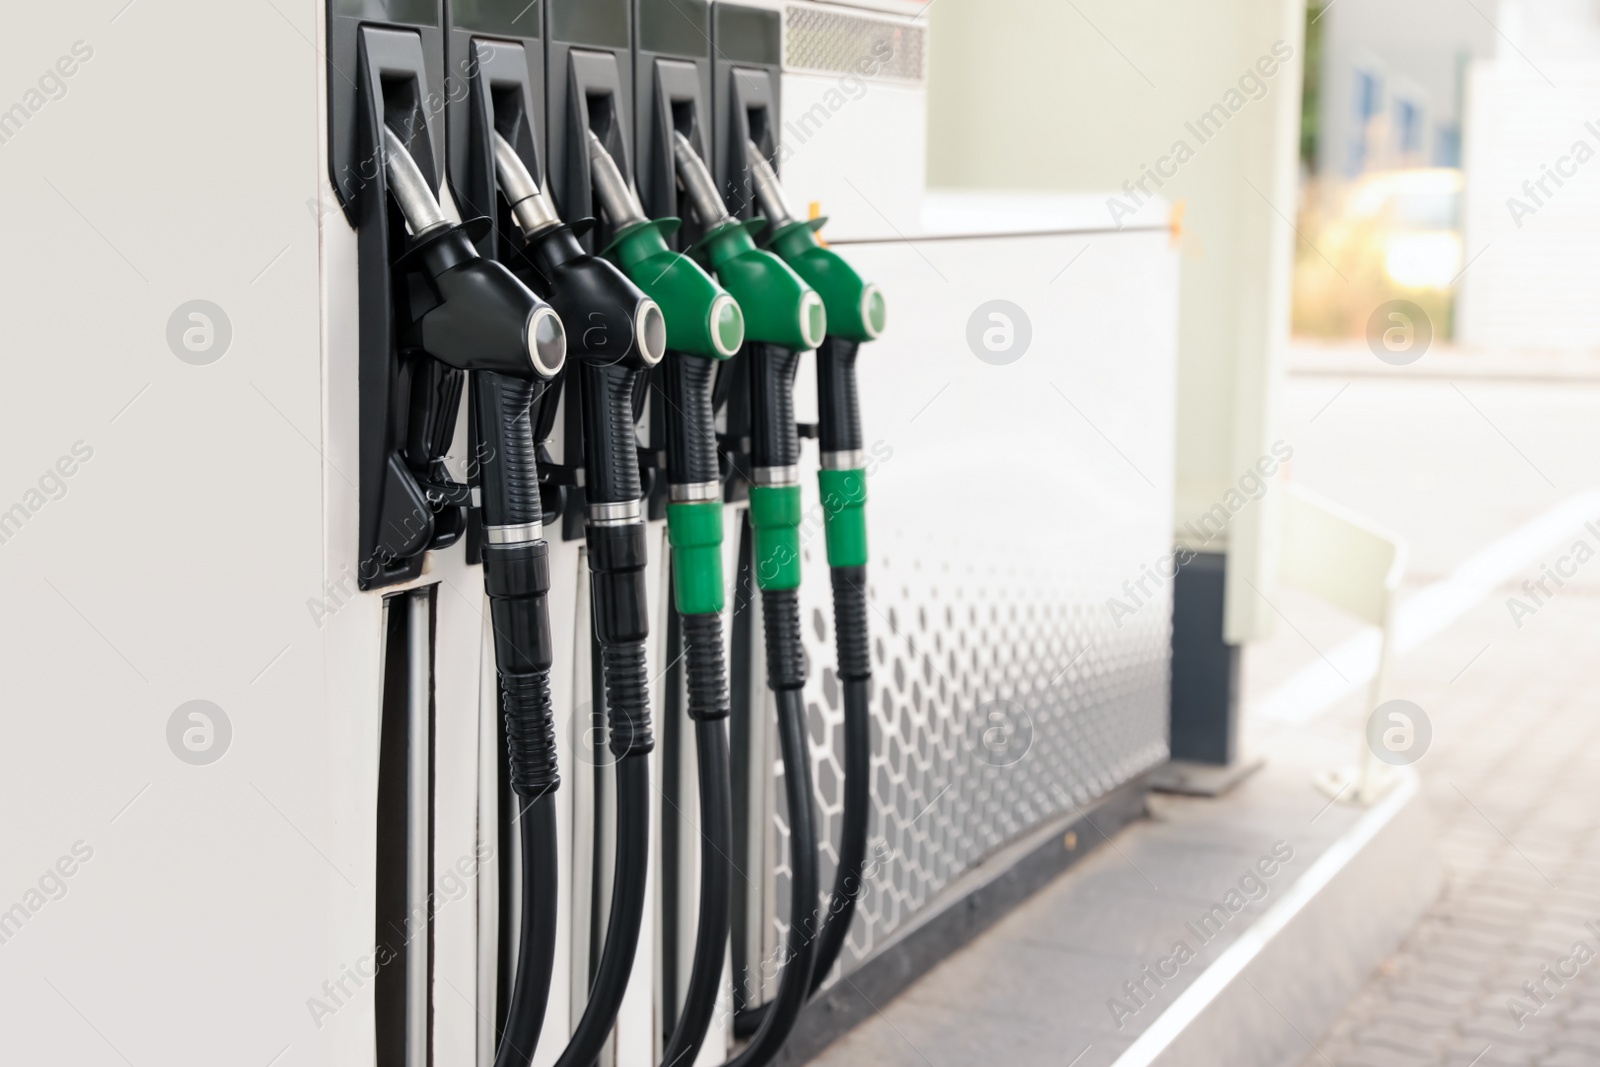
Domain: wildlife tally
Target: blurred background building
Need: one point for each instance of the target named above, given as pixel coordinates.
(1532, 200)
(1381, 143)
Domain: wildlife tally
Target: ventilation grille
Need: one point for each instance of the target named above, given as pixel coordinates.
(834, 43)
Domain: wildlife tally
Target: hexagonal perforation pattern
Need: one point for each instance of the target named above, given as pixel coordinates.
(947, 642)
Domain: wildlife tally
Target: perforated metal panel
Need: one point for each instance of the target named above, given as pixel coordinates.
(1002, 696)
(837, 43)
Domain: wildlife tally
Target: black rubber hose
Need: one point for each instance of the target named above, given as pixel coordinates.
(785, 676)
(530, 994)
(716, 891)
(692, 459)
(591, 292)
(855, 675)
(627, 914)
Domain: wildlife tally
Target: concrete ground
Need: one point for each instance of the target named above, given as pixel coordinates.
(1502, 970)
(1058, 980)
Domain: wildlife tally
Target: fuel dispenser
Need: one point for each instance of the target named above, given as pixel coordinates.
(705, 326)
(620, 333)
(452, 300)
(856, 312)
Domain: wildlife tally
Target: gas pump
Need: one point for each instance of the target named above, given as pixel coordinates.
(857, 312)
(784, 316)
(618, 335)
(704, 327)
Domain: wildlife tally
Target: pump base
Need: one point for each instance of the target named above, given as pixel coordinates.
(1191, 779)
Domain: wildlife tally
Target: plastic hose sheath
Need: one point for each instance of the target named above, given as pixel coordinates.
(627, 912)
(506, 472)
(627, 699)
(773, 441)
(537, 944)
(716, 892)
(691, 454)
(785, 675)
(706, 667)
(612, 468)
(838, 408)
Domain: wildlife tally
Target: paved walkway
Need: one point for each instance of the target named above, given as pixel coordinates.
(1057, 982)
(1513, 773)
(1513, 779)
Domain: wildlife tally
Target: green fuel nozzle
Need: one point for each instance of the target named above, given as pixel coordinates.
(704, 324)
(856, 313)
(783, 317)
(702, 319)
(779, 307)
(856, 308)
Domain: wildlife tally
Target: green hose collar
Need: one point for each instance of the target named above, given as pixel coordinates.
(844, 516)
(695, 533)
(775, 524)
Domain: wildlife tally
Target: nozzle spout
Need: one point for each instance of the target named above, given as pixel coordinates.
(769, 191)
(410, 188)
(529, 206)
(697, 183)
(616, 196)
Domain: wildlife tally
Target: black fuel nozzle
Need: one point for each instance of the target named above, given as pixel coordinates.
(458, 312)
(468, 312)
(618, 334)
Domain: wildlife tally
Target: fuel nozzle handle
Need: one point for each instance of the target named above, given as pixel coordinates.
(480, 317)
(779, 307)
(701, 318)
(516, 573)
(618, 334)
(704, 325)
(856, 308)
(856, 313)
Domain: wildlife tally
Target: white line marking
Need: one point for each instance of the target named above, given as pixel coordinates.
(1216, 979)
